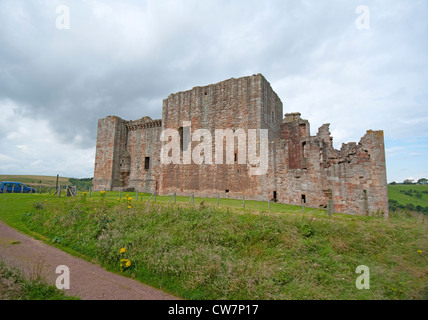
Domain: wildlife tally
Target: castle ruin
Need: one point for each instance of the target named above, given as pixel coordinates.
(301, 167)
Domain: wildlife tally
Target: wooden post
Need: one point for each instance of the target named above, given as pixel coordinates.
(136, 196)
(13, 189)
(218, 200)
(40, 189)
(22, 188)
(243, 201)
(269, 204)
(175, 197)
(59, 191)
(50, 190)
(155, 195)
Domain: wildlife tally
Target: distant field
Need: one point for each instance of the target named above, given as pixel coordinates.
(402, 198)
(47, 180)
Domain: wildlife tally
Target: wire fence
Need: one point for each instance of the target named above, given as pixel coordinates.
(188, 200)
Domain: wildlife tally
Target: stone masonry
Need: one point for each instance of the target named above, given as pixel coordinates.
(301, 167)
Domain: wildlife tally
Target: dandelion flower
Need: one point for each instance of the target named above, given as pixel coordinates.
(122, 250)
(129, 207)
(419, 251)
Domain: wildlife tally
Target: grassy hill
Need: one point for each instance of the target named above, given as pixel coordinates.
(210, 253)
(411, 197)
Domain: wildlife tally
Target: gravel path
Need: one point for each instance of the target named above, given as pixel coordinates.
(87, 281)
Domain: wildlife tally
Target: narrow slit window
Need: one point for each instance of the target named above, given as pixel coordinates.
(147, 163)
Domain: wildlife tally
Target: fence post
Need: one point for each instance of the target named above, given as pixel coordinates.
(120, 194)
(136, 196)
(90, 192)
(22, 189)
(59, 191)
(218, 200)
(170, 199)
(175, 197)
(269, 204)
(303, 206)
(50, 190)
(13, 189)
(150, 198)
(155, 195)
(40, 192)
(243, 201)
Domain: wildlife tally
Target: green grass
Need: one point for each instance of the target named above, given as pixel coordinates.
(13, 286)
(231, 253)
(395, 194)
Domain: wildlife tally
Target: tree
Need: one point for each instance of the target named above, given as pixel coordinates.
(408, 181)
(393, 183)
(423, 181)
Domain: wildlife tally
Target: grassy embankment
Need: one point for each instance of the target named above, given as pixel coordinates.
(210, 253)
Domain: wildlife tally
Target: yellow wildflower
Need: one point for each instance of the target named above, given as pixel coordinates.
(419, 251)
(129, 207)
(123, 250)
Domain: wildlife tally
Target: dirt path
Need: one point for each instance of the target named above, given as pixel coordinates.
(87, 281)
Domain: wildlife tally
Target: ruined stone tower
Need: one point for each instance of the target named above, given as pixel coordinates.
(300, 168)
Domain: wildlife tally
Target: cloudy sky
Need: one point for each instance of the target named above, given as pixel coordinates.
(124, 57)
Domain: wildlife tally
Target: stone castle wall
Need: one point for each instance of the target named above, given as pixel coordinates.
(301, 167)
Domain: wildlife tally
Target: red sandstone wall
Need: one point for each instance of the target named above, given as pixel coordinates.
(231, 104)
(299, 164)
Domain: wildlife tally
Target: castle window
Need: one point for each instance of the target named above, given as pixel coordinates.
(147, 163)
(180, 131)
(303, 198)
(227, 190)
(236, 157)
